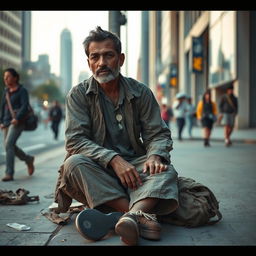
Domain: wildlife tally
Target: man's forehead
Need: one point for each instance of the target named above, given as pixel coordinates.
(104, 45)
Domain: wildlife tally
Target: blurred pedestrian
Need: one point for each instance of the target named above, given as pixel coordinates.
(166, 114)
(55, 116)
(190, 116)
(44, 114)
(180, 107)
(13, 110)
(207, 114)
(228, 107)
(118, 146)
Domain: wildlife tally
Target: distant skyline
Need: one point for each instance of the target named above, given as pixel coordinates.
(48, 25)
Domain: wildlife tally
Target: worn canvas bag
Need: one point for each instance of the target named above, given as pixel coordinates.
(197, 205)
(30, 120)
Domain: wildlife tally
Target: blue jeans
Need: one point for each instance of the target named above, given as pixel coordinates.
(11, 135)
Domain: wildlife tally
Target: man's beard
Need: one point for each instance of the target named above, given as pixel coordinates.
(113, 74)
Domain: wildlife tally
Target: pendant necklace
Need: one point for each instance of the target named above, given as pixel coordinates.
(119, 118)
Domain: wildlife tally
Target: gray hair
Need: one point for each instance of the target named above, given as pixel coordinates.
(99, 35)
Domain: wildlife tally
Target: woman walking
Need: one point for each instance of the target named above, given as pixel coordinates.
(206, 112)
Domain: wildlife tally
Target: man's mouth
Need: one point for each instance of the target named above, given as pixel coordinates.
(103, 71)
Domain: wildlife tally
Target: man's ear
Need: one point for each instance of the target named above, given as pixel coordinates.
(88, 64)
(121, 59)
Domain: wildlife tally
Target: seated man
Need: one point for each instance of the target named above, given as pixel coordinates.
(117, 145)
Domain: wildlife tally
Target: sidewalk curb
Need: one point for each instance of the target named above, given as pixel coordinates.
(241, 141)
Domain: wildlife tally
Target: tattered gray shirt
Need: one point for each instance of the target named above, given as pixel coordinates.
(86, 128)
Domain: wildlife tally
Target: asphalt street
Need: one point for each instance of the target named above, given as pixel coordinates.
(228, 172)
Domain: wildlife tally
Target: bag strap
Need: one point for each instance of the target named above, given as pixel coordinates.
(230, 102)
(10, 105)
(214, 208)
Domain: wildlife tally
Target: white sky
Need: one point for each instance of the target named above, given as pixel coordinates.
(47, 27)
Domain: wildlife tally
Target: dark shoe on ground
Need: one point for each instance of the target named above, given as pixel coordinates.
(94, 225)
(30, 165)
(228, 143)
(7, 178)
(132, 225)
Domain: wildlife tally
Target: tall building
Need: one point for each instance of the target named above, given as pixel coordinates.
(66, 61)
(26, 38)
(202, 50)
(10, 39)
(39, 71)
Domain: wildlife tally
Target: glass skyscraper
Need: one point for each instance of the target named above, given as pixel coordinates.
(66, 61)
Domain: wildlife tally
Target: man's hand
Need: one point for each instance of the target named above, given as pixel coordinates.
(14, 121)
(126, 172)
(154, 165)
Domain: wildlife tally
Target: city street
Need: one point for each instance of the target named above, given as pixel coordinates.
(228, 172)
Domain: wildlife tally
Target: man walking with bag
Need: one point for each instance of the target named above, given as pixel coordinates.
(13, 109)
(228, 107)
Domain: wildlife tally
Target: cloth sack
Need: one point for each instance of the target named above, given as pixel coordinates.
(197, 205)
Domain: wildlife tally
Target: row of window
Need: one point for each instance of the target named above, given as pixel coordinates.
(6, 48)
(9, 20)
(7, 64)
(9, 35)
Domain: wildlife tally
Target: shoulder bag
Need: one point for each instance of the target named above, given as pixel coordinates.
(30, 120)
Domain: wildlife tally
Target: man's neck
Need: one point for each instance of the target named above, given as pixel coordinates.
(111, 87)
(13, 87)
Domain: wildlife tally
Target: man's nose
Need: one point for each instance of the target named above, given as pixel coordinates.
(102, 61)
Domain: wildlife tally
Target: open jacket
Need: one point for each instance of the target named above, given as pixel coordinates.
(86, 130)
(20, 104)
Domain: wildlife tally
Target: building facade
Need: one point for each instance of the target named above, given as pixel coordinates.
(10, 39)
(205, 50)
(26, 38)
(66, 61)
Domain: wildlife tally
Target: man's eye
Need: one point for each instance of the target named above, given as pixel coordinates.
(109, 55)
(93, 57)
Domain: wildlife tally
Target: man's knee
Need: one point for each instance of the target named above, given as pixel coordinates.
(73, 161)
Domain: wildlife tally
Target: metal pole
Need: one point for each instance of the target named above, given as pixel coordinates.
(144, 47)
(114, 22)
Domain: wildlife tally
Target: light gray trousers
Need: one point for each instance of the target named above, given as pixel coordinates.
(11, 135)
(94, 185)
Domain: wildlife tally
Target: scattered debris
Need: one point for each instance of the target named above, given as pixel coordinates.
(62, 218)
(19, 197)
(17, 226)
(49, 196)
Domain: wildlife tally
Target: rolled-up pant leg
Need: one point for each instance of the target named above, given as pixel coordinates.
(90, 183)
(161, 185)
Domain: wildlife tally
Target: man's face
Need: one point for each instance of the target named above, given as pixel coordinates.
(104, 61)
(230, 91)
(9, 79)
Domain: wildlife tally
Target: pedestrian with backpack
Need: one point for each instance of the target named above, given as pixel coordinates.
(55, 116)
(228, 108)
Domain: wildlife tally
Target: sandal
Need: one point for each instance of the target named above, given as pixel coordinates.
(94, 225)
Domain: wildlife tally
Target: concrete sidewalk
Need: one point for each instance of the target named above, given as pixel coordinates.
(228, 172)
(238, 136)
